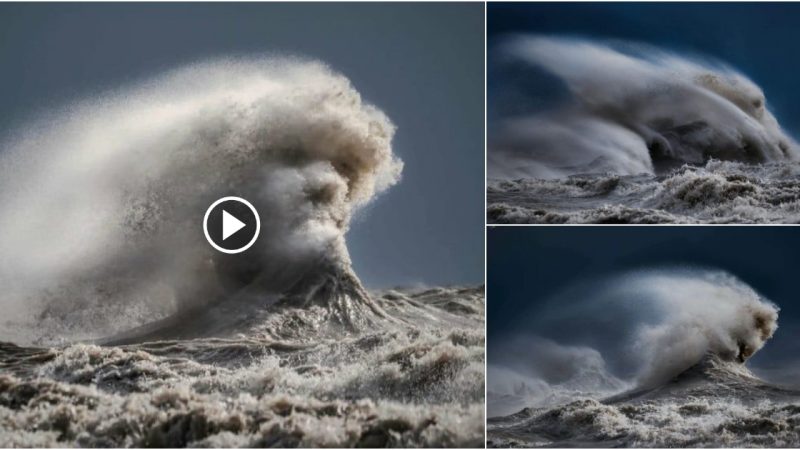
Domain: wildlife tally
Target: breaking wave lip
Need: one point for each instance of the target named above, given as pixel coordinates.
(712, 376)
(329, 291)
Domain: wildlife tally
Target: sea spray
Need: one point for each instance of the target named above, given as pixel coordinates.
(707, 312)
(103, 199)
(638, 330)
(686, 333)
(632, 109)
(280, 346)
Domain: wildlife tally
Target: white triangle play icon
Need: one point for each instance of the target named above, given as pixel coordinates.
(230, 225)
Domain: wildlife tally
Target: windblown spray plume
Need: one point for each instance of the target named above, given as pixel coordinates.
(661, 362)
(101, 242)
(640, 135)
(102, 202)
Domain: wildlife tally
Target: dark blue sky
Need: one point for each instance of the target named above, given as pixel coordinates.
(421, 63)
(527, 266)
(759, 39)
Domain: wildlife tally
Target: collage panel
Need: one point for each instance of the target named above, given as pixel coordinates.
(642, 113)
(468, 224)
(238, 225)
(643, 337)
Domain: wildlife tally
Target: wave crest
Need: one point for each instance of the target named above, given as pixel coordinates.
(633, 109)
(131, 172)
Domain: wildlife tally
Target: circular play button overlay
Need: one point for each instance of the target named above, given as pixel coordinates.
(231, 225)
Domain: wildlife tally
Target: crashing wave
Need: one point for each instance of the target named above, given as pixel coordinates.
(633, 109)
(131, 331)
(137, 167)
(640, 136)
(326, 301)
(683, 337)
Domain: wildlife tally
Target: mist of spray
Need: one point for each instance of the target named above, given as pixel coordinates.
(637, 330)
(632, 109)
(709, 312)
(101, 202)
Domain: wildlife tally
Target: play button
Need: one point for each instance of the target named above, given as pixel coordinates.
(231, 225)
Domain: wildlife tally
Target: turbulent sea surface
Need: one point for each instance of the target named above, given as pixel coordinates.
(717, 192)
(328, 366)
(713, 404)
(625, 132)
